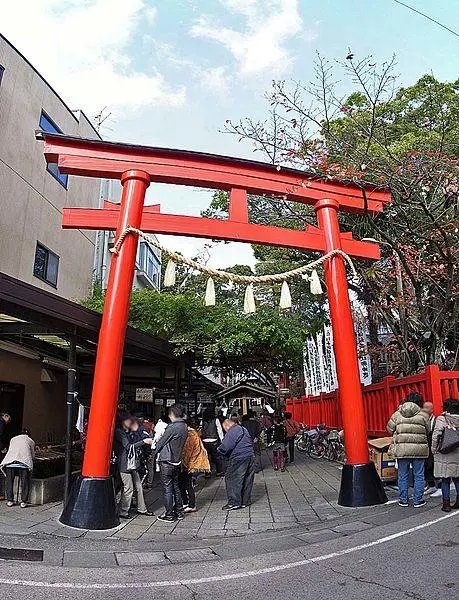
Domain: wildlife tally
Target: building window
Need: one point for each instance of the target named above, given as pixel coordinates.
(2, 70)
(148, 262)
(46, 265)
(47, 125)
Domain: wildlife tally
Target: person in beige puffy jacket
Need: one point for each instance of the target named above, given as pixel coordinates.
(446, 466)
(410, 428)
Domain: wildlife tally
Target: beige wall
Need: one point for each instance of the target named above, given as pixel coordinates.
(31, 199)
(44, 403)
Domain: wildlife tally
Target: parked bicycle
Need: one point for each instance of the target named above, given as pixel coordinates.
(334, 447)
(320, 442)
(311, 441)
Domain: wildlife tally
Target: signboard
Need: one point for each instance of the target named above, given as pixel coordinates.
(144, 395)
(170, 401)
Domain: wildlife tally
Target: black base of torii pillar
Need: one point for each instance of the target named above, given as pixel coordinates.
(361, 486)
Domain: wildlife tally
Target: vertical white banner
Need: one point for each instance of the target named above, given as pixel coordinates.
(330, 358)
(306, 373)
(313, 367)
(324, 379)
(362, 345)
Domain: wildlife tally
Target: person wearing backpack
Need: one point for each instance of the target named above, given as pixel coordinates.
(292, 427)
(125, 452)
(446, 461)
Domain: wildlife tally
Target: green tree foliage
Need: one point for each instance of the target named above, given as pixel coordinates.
(403, 138)
(222, 336)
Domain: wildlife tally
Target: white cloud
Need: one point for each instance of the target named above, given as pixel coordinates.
(221, 256)
(82, 48)
(150, 14)
(261, 46)
(215, 80)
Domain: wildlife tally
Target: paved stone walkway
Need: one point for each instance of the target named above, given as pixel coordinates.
(305, 494)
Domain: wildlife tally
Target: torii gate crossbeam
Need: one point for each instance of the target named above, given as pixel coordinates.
(91, 504)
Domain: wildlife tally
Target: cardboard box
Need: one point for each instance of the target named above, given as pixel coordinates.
(385, 464)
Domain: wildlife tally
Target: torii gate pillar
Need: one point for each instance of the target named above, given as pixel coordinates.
(95, 488)
(360, 484)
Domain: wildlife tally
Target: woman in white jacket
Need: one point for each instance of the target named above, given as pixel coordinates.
(18, 462)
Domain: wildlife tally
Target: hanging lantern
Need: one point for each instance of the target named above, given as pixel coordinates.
(285, 297)
(210, 293)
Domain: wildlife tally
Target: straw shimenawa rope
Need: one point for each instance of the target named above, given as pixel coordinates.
(275, 278)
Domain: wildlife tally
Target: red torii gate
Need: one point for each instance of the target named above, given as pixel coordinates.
(91, 503)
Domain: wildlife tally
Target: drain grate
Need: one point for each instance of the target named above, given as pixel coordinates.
(21, 554)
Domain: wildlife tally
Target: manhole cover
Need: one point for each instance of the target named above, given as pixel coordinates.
(21, 554)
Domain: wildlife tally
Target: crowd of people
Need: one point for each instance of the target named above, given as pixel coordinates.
(422, 450)
(181, 448)
(178, 448)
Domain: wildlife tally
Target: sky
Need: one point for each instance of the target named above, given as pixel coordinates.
(171, 72)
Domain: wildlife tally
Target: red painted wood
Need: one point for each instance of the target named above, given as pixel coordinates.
(93, 158)
(238, 209)
(94, 218)
(434, 388)
(150, 208)
(344, 342)
(104, 398)
(382, 399)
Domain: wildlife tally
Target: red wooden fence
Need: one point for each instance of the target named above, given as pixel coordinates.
(380, 399)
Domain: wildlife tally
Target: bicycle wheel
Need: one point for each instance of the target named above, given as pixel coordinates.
(341, 454)
(328, 451)
(318, 450)
(301, 445)
(335, 452)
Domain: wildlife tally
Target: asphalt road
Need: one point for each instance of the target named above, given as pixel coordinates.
(415, 558)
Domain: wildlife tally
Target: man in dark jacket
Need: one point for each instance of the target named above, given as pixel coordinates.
(253, 426)
(169, 456)
(237, 448)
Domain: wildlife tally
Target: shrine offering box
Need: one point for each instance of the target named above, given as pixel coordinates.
(385, 464)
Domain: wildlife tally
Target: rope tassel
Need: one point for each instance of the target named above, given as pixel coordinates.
(249, 300)
(210, 293)
(316, 286)
(169, 275)
(285, 297)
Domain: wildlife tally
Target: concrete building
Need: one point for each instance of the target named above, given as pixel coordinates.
(45, 269)
(33, 246)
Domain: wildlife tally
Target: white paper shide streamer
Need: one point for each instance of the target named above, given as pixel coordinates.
(249, 300)
(316, 286)
(285, 297)
(169, 274)
(210, 293)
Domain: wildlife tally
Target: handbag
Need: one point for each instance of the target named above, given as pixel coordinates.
(449, 439)
(133, 459)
